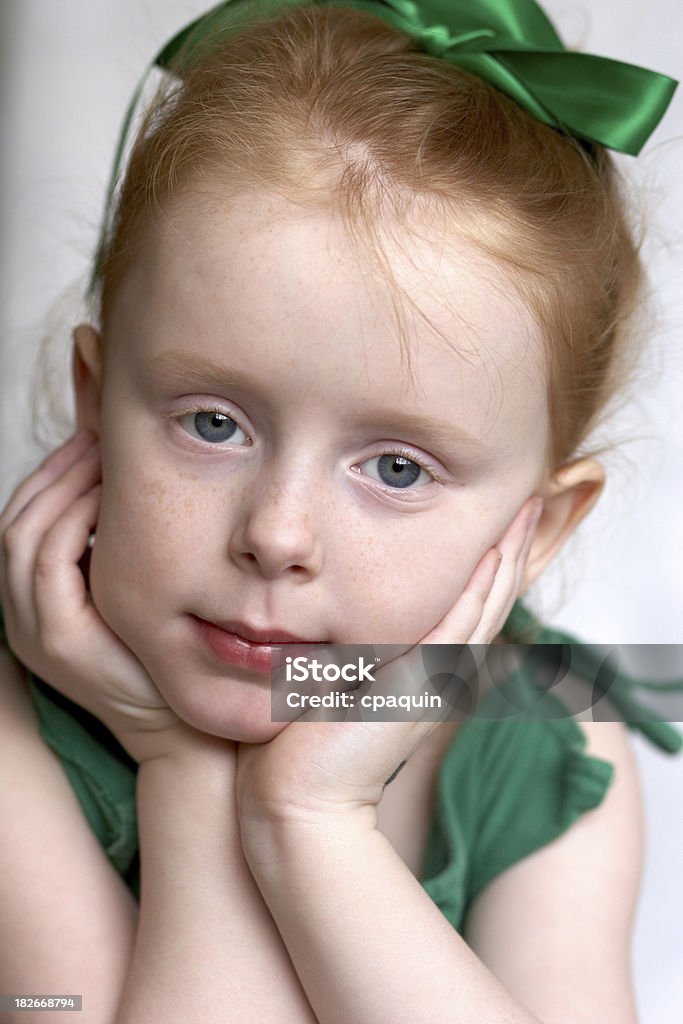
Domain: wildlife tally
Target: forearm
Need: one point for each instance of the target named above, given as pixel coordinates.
(207, 947)
(367, 941)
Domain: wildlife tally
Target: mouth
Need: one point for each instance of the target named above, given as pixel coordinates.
(245, 646)
(265, 636)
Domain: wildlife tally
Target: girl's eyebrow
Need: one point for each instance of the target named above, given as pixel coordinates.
(448, 437)
(179, 369)
(174, 369)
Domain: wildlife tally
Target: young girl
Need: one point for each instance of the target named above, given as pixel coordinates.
(361, 300)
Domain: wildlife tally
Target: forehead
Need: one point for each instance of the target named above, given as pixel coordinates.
(256, 273)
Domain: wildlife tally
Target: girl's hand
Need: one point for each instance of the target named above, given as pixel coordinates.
(52, 624)
(317, 768)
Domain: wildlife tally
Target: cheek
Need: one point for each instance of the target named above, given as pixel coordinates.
(401, 581)
(145, 539)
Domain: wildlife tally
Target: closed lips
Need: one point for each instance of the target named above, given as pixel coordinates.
(261, 636)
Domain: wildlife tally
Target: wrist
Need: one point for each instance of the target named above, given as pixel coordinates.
(273, 842)
(175, 743)
(186, 801)
(187, 754)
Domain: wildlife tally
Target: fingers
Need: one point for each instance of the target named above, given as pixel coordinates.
(514, 548)
(35, 511)
(473, 599)
(461, 621)
(25, 534)
(481, 610)
(59, 587)
(534, 517)
(50, 468)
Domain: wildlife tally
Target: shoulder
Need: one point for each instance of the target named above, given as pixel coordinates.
(26, 761)
(52, 869)
(566, 910)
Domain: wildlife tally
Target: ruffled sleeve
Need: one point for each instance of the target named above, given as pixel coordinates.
(506, 788)
(517, 775)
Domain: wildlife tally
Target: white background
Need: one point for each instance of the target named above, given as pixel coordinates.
(68, 68)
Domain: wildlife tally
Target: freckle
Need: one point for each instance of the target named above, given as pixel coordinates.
(155, 488)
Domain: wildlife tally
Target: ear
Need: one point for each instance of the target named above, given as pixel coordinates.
(87, 376)
(568, 498)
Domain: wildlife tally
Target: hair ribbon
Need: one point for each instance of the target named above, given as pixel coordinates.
(509, 43)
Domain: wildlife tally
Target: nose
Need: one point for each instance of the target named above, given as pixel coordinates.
(277, 530)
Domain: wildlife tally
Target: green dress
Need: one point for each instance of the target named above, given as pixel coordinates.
(505, 787)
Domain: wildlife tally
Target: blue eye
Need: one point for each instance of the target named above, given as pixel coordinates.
(214, 426)
(397, 471)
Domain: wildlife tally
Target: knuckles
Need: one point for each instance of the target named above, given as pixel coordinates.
(12, 538)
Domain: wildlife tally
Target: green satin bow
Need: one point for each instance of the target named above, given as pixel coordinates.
(509, 43)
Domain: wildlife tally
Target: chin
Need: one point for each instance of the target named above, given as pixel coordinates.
(236, 723)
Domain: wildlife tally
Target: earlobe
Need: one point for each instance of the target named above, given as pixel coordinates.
(568, 498)
(87, 376)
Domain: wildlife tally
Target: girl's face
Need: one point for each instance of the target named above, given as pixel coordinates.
(270, 459)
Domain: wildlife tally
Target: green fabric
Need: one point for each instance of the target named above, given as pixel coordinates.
(506, 787)
(602, 672)
(509, 43)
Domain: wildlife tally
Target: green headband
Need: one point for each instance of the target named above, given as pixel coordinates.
(509, 43)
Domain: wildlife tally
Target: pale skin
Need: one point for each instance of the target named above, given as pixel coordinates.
(290, 515)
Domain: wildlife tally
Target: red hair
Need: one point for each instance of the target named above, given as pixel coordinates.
(332, 106)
